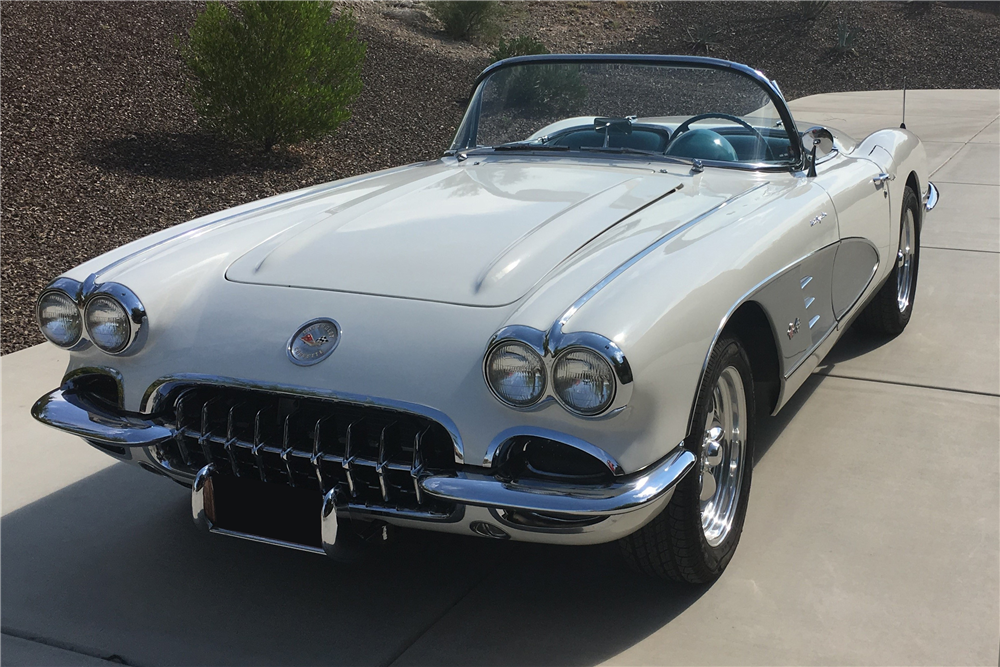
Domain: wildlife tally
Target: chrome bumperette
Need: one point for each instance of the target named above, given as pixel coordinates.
(70, 410)
(624, 495)
(931, 198)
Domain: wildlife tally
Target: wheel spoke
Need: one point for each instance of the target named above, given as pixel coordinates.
(708, 486)
(722, 459)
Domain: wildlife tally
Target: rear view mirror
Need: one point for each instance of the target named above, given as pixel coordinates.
(816, 142)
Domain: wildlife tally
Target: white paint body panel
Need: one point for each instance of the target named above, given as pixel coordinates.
(420, 265)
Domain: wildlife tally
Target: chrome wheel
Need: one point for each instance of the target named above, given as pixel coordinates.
(904, 261)
(722, 456)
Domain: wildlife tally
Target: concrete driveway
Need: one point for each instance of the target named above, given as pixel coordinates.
(871, 536)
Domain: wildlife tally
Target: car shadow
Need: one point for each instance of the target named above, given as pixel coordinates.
(854, 343)
(187, 156)
(113, 565)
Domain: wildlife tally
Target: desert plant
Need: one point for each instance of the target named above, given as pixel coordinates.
(522, 45)
(702, 38)
(846, 37)
(811, 9)
(544, 88)
(269, 73)
(467, 19)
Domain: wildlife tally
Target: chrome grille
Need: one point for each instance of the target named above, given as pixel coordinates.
(374, 455)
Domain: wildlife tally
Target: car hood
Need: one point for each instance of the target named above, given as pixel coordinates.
(478, 233)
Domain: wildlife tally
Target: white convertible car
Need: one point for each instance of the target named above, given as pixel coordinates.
(564, 330)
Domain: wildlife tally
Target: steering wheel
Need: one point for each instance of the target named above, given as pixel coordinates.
(685, 126)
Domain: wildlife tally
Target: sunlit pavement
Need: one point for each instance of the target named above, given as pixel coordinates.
(871, 536)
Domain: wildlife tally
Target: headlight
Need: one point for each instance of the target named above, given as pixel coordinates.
(515, 373)
(584, 381)
(108, 324)
(59, 318)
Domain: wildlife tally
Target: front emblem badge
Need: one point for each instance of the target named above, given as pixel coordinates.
(313, 342)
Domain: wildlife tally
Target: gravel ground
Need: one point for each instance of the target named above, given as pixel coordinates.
(99, 144)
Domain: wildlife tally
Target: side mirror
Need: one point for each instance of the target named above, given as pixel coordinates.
(816, 142)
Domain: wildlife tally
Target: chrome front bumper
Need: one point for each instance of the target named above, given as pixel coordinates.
(593, 513)
(931, 198)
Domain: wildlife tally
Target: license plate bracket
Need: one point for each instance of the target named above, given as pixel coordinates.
(269, 512)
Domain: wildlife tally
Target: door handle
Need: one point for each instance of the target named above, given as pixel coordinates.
(882, 178)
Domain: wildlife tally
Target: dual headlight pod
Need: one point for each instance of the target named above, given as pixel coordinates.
(112, 316)
(582, 379)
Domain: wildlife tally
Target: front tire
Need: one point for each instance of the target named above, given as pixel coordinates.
(695, 536)
(890, 310)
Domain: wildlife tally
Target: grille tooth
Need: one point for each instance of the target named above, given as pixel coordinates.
(286, 447)
(386, 443)
(375, 456)
(231, 436)
(417, 466)
(260, 429)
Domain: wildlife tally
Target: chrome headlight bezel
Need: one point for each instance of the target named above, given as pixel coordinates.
(57, 291)
(529, 352)
(81, 294)
(550, 347)
(134, 312)
(600, 359)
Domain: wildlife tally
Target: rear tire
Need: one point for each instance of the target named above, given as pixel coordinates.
(695, 536)
(889, 311)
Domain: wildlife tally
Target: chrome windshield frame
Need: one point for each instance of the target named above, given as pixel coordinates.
(769, 86)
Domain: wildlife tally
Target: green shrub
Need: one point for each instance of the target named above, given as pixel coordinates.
(522, 45)
(702, 38)
(467, 19)
(846, 37)
(269, 73)
(544, 88)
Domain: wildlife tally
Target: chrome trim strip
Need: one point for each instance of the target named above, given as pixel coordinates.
(743, 299)
(549, 345)
(229, 219)
(266, 540)
(931, 198)
(557, 326)
(497, 446)
(630, 493)
(154, 395)
(798, 375)
(69, 411)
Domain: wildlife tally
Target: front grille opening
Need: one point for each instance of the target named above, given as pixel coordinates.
(373, 455)
(99, 388)
(542, 458)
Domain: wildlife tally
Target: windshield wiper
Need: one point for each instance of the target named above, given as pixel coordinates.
(528, 145)
(620, 149)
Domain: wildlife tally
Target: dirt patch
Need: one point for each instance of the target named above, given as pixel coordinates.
(99, 144)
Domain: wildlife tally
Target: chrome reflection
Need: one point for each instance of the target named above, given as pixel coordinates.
(722, 456)
(905, 261)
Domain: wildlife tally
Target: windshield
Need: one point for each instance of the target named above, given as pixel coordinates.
(713, 114)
